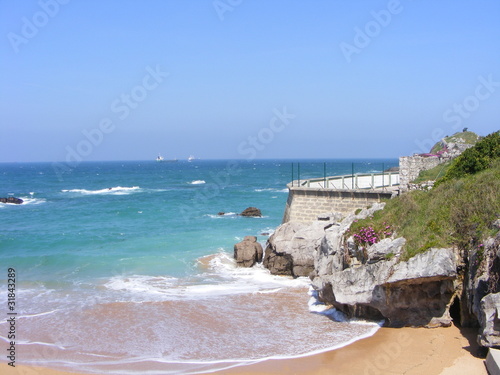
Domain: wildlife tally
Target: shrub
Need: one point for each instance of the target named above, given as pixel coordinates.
(475, 159)
(459, 212)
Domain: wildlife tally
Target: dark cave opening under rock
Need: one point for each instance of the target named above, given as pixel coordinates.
(455, 312)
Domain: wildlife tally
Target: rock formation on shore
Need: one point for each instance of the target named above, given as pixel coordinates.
(290, 250)
(431, 289)
(11, 200)
(375, 283)
(248, 252)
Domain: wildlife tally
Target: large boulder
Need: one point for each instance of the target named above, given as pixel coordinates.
(11, 200)
(251, 211)
(489, 333)
(290, 250)
(248, 252)
(417, 292)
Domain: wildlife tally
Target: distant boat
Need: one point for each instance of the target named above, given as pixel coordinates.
(160, 158)
(191, 158)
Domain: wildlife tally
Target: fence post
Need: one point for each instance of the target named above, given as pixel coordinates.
(292, 174)
(383, 176)
(352, 176)
(324, 175)
(298, 173)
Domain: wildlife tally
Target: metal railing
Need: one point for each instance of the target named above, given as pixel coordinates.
(362, 176)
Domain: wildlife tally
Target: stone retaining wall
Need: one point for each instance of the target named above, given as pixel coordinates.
(305, 205)
(411, 166)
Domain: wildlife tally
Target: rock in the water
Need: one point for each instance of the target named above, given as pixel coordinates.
(11, 200)
(251, 211)
(489, 334)
(248, 252)
(221, 213)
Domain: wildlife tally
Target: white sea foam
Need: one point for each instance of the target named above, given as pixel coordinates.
(32, 200)
(26, 201)
(117, 190)
(197, 182)
(257, 276)
(226, 214)
(223, 278)
(272, 189)
(152, 285)
(36, 315)
(318, 307)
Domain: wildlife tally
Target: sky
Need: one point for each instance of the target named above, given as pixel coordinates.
(239, 79)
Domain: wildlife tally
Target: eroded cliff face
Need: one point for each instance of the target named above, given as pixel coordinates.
(480, 290)
(371, 284)
(376, 284)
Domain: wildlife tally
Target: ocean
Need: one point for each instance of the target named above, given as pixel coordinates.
(126, 267)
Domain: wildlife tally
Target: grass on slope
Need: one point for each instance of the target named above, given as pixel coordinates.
(433, 174)
(458, 212)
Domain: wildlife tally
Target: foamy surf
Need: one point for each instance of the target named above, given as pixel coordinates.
(116, 190)
(271, 190)
(181, 325)
(219, 277)
(223, 215)
(26, 201)
(188, 336)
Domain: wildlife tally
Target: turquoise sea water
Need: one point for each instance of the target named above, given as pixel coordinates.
(125, 267)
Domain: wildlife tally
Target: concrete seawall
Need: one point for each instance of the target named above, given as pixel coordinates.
(306, 204)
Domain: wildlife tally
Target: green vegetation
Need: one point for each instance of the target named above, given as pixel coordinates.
(458, 212)
(475, 159)
(463, 137)
(433, 174)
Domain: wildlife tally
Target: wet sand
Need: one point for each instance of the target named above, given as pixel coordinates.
(410, 351)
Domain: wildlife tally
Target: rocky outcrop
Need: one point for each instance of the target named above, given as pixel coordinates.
(291, 248)
(248, 252)
(11, 200)
(251, 211)
(371, 283)
(480, 295)
(412, 293)
(489, 334)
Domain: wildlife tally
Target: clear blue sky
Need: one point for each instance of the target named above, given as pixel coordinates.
(350, 78)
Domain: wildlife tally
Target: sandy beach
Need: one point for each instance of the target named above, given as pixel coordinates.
(410, 351)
